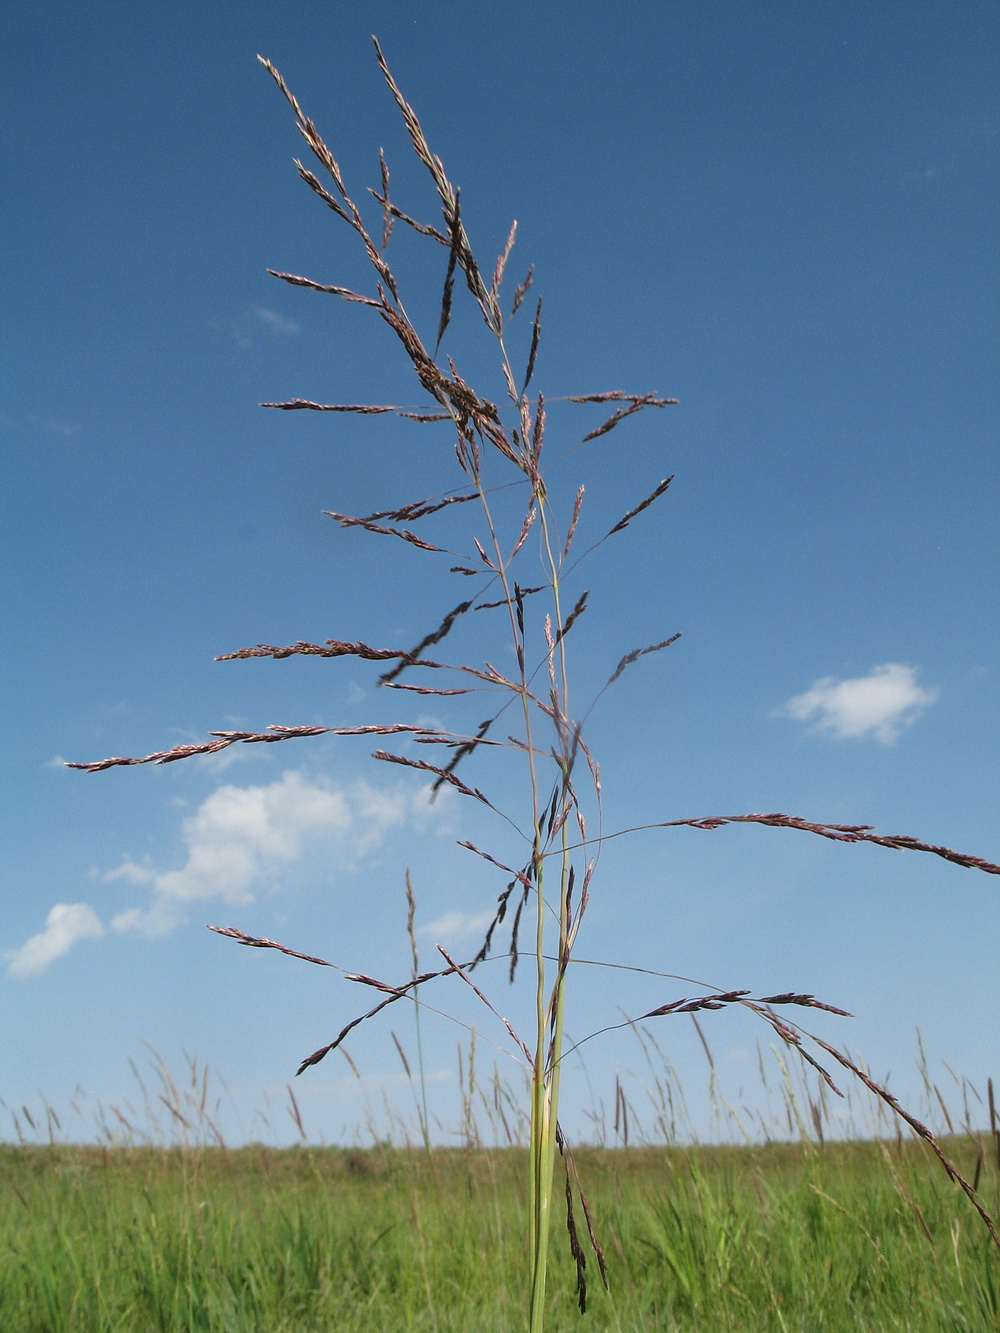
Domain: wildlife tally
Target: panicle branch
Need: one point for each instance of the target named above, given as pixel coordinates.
(222, 739)
(840, 833)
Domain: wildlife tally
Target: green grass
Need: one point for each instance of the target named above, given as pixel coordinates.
(859, 1236)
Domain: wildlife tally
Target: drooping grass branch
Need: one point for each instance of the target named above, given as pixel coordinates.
(554, 860)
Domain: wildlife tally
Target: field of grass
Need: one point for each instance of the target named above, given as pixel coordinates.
(851, 1236)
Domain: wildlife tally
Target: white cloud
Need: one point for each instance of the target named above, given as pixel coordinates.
(933, 171)
(454, 927)
(278, 324)
(53, 424)
(880, 704)
(66, 923)
(238, 840)
(241, 837)
(129, 871)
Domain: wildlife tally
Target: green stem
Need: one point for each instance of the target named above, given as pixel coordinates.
(546, 1072)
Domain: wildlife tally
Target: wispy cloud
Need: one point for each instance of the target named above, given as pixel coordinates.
(454, 927)
(66, 924)
(245, 330)
(130, 872)
(933, 171)
(278, 324)
(53, 425)
(880, 704)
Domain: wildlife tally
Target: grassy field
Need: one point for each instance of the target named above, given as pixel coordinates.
(860, 1236)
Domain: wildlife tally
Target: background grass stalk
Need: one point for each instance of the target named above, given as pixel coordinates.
(411, 911)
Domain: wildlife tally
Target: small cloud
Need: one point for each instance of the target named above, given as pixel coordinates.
(130, 872)
(880, 704)
(235, 836)
(238, 841)
(241, 837)
(278, 324)
(59, 427)
(454, 927)
(933, 171)
(65, 924)
(53, 425)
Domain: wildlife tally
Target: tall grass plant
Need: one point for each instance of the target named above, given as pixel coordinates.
(518, 569)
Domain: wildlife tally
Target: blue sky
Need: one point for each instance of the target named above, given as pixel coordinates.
(782, 215)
